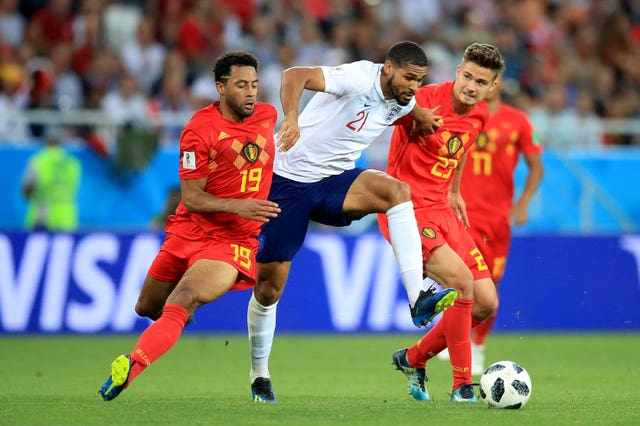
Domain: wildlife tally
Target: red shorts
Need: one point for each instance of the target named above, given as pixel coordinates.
(440, 226)
(493, 238)
(184, 245)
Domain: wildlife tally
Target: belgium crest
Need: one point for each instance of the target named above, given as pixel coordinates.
(453, 144)
(429, 233)
(250, 152)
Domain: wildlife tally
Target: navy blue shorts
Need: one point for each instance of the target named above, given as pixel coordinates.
(321, 201)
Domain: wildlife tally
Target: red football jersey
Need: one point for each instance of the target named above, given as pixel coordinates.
(429, 163)
(237, 159)
(487, 184)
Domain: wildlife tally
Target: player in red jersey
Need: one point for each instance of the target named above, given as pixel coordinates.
(226, 167)
(429, 164)
(488, 189)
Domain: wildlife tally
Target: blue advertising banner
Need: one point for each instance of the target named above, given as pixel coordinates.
(89, 283)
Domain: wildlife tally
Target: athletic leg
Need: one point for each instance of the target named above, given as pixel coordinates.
(483, 312)
(446, 267)
(165, 271)
(204, 282)
(261, 324)
(153, 296)
(376, 192)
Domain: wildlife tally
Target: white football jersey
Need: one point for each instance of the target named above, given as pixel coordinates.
(338, 124)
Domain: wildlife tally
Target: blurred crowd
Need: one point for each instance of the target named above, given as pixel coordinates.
(569, 62)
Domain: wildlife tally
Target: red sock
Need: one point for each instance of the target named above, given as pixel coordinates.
(474, 322)
(482, 330)
(158, 338)
(429, 346)
(457, 330)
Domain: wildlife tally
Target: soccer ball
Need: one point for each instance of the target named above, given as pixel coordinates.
(505, 384)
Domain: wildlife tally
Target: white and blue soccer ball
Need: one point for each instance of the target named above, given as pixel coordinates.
(505, 384)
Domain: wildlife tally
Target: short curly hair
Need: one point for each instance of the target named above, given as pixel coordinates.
(222, 68)
(407, 53)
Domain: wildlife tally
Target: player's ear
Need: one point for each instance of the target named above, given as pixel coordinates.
(220, 87)
(388, 67)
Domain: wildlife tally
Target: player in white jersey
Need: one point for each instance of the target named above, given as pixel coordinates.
(352, 97)
(315, 179)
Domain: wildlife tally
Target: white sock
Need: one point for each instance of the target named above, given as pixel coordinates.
(427, 283)
(407, 247)
(261, 324)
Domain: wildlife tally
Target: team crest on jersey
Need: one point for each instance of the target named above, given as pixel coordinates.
(429, 233)
(250, 152)
(482, 140)
(454, 144)
(391, 115)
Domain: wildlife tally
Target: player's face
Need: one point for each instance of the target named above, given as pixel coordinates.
(403, 82)
(473, 83)
(240, 91)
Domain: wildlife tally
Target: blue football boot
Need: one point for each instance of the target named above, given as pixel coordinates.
(120, 369)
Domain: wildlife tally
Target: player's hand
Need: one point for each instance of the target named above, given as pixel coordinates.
(288, 134)
(518, 213)
(254, 209)
(459, 207)
(425, 121)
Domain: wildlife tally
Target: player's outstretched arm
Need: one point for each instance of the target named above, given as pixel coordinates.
(196, 199)
(253, 209)
(294, 81)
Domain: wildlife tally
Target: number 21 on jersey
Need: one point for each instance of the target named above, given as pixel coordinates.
(357, 124)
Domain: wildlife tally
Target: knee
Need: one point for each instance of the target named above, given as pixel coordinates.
(390, 193)
(399, 192)
(462, 281)
(484, 308)
(402, 191)
(267, 291)
(148, 310)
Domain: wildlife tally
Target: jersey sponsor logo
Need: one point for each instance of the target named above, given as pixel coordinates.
(454, 144)
(222, 135)
(367, 104)
(189, 160)
(250, 152)
(429, 233)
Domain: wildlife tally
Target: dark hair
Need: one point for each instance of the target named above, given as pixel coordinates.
(486, 56)
(222, 68)
(407, 53)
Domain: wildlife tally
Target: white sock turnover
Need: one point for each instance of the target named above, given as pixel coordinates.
(407, 247)
(261, 324)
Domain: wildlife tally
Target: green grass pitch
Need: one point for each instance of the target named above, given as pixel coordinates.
(578, 379)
